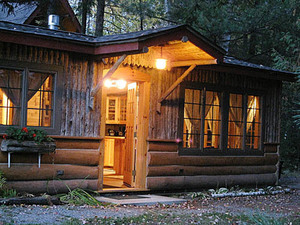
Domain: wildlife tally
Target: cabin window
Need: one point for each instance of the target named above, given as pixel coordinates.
(202, 119)
(235, 121)
(244, 123)
(217, 122)
(39, 99)
(27, 98)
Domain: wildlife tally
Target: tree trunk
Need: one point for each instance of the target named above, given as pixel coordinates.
(84, 15)
(100, 17)
(141, 15)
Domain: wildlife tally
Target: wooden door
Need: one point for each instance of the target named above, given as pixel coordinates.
(109, 152)
(130, 131)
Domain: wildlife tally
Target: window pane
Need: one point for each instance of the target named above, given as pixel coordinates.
(192, 118)
(10, 96)
(253, 122)
(40, 95)
(212, 122)
(235, 123)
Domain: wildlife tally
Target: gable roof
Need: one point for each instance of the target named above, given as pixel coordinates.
(28, 13)
(20, 14)
(130, 43)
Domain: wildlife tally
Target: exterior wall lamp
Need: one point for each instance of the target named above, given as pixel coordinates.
(161, 63)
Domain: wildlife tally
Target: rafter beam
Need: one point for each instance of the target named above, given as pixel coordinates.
(192, 62)
(174, 85)
(108, 75)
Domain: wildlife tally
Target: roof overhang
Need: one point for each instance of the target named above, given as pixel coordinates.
(135, 43)
(252, 72)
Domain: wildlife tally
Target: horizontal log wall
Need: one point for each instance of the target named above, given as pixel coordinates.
(80, 74)
(74, 164)
(167, 170)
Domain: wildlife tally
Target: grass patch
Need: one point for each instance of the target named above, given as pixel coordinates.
(79, 196)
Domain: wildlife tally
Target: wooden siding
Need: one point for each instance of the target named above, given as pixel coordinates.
(165, 124)
(168, 170)
(80, 74)
(75, 163)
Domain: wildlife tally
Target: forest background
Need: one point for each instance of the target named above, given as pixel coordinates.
(264, 32)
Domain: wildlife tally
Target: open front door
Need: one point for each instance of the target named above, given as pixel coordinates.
(131, 138)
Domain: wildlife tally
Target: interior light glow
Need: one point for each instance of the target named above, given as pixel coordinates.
(161, 64)
(108, 83)
(121, 84)
(132, 85)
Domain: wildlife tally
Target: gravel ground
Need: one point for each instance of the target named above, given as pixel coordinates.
(281, 205)
(59, 214)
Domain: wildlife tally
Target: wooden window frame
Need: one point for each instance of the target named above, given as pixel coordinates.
(224, 104)
(26, 67)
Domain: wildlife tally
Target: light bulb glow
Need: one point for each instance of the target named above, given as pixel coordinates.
(121, 84)
(161, 64)
(108, 83)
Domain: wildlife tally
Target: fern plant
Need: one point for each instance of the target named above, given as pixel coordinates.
(2, 181)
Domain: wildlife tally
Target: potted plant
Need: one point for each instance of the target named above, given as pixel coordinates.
(27, 140)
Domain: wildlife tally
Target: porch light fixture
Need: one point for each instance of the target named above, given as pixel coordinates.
(120, 84)
(161, 63)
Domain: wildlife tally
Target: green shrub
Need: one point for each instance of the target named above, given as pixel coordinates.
(5, 192)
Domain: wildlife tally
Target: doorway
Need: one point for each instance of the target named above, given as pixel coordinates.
(126, 130)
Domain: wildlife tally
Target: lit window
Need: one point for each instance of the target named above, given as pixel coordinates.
(244, 122)
(235, 121)
(40, 94)
(27, 99)
(10, 96)
(197, 131)
(206, 113)
(212, 121)
(253, 122)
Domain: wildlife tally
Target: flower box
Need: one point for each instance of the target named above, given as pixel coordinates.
(15, 146)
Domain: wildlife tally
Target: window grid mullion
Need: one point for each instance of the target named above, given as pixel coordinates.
(245, 108)
(24, 98)
(40, 101)
(203, 101)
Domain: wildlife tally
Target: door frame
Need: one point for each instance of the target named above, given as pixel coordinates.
(142, 133)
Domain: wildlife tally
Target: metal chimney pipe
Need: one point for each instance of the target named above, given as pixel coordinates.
(53, 22)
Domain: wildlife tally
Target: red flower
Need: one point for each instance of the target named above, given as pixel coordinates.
(34, 135)
(25, 129)
(4, 136)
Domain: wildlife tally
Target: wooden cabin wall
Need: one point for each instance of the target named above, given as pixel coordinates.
(76, 161)
(168, 170)
(80, 73)
(165, 124)
(74, 164)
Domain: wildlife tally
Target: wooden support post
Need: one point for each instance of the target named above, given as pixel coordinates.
(108, 75)
(174, 85)
(191, 62)
(39, 159)
(8, 159)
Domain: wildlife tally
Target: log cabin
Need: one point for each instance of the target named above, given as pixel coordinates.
(122, 120)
